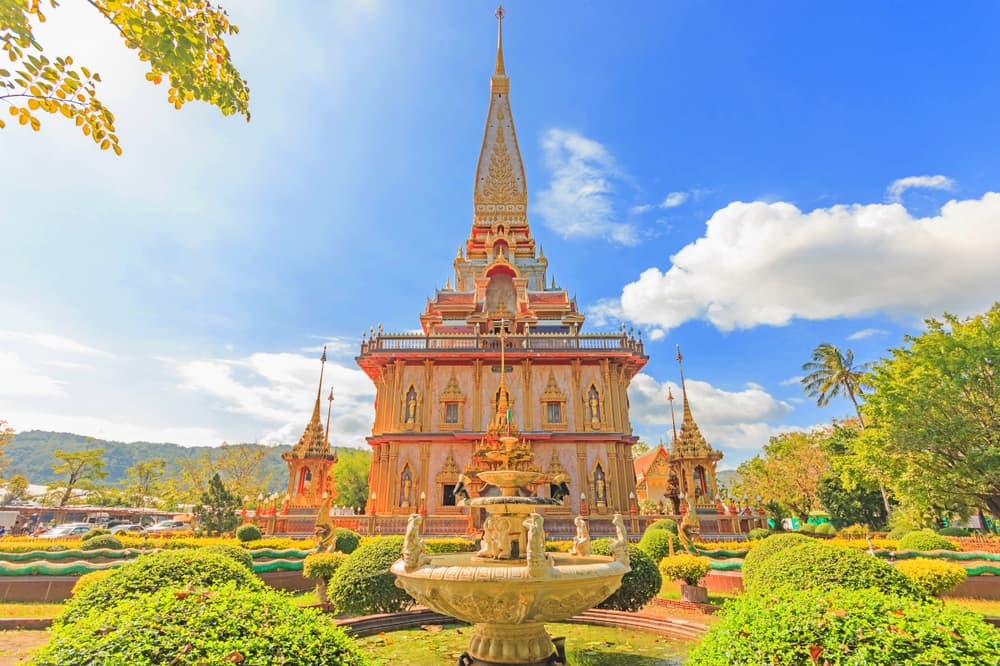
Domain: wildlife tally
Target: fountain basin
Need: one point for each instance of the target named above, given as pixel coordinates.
(506, 604)
(509, 480)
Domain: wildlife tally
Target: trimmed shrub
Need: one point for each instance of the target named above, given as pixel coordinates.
(639, 585)
(764, 550)
(664, 524)
(345, 541)
(363, 584)
(845, 627)
(89, 579)
(237, 554)
(826, 529)
(925, 540)
(95, 532)
(102, 541)
(822, 566)
(953, 532)
(322, 566)
(758, 533)
(168, 569)
(688, 568)
(931, 577)
(558, 546)
(656, 544)
(248, 532)
(808, 528)
(220, 626)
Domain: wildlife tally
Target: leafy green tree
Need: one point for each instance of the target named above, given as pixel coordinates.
(847, 491)
(78, 469)
(6, 437)
(142, 481)
(217, 511)
(640, 448)
(16, 489)
(351, 477)
(935, 415)
(788, 474)
(241, 465)
(182, 40)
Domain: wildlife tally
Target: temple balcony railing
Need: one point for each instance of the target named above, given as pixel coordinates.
(532, 342)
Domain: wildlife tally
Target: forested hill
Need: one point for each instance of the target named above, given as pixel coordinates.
(32, 454)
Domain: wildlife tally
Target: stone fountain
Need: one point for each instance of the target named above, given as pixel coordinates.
(511, 587)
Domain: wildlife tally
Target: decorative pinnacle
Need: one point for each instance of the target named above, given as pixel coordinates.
(499, 68)
(328, 410)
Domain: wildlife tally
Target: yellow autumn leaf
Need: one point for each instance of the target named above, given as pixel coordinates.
(33, 104)
(105, 144)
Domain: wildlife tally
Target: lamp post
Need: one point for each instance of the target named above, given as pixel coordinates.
(633, 511)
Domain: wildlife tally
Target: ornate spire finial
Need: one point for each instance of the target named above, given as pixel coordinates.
(499, 68)
(673, 419)
(319, 391)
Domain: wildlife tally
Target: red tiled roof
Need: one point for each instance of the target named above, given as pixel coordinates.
(645, 461)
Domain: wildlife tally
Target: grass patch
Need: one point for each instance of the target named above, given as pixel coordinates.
(29, 610)
(989, 607)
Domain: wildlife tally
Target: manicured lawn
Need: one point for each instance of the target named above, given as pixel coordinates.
(988, 607)
(21, 610)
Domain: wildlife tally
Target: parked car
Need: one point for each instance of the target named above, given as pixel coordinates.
(167, 527)
(127, 528)
(66, 531)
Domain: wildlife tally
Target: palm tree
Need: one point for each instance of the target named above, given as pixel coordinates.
(832, 372)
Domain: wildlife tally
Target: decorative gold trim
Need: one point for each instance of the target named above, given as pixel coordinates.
(553, 393)
(452, 395)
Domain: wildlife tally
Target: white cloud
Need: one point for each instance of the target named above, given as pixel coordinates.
(19, 379)
(280, 390)
(791, 381)
(53, 342)
(866, 333)
(639, 210)
(731, 419)
(578, 202)
(674, 199)
(895, 190)
(761, 263)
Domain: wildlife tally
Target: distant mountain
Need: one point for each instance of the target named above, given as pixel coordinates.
(32, 453)
(726, 478)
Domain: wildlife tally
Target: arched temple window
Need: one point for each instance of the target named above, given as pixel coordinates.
(600, 485)
(594, 404)
(406, 487)
(305, 479)
(700, 482)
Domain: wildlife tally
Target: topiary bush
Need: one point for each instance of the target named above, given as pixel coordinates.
(363, 584)
(898, 532)
(321, 567)
(95, 532)
(639, 585)
(248, 532)
(826, 529)
(167, 569)
(822, 566)
(758, 533)
(808, 528)
(845, 627)
(102, 541)
(656, 543)
(925, 540)
(764, 550)
(224, 625)
(237, 554)
(688, 568)
(89, 579)
(345, 541)
(664, 524)
(953, 532)
(931, 577)
(854, 532)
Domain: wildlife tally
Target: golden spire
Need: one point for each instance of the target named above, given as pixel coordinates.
(499, 71)
(329, 409)
(314, 442)
(319, 391)
(691, 442)
(673, 419)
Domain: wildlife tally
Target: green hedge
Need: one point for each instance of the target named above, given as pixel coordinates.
(168, 569)
(758, 533)
(322, 566)
(102, 541)
(845, 627)
(664, 524)
(248, 532)
(237, 554)
(224, 625)
(764, 550)
(95, 532)
(953, 532)
(925, 540)
(452, 545)
(639, 585)
(364, 585)
(826, 529)
(345, 541)
(822, 566)
(656, 543)
(688, 568)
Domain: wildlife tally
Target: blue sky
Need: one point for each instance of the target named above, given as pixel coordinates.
(746, 180)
